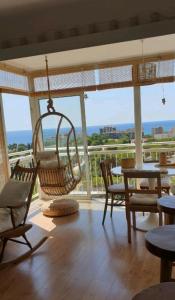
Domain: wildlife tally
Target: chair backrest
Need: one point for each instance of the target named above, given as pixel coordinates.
(106, 166)
(24, 174)
(152, 176)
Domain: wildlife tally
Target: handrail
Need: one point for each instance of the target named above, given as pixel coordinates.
(20, 153)
(146, 147)
(97, 149)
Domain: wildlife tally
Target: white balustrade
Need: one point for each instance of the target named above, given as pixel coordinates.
(96, 154)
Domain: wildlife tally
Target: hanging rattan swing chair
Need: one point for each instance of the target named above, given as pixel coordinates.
(59, 173)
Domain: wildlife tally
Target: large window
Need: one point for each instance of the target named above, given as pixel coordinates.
(110, 116)
(158, 118)
(110, 129)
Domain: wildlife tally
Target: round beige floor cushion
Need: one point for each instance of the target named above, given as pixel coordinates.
(60, 208)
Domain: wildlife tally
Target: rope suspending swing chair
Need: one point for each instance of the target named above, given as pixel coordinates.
(58, 173)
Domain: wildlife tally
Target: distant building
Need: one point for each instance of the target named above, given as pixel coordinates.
(157, 130)
(110, 132)
(130, 132)
(113, 133)
(107, 130)
(172, 132)
(159, 136)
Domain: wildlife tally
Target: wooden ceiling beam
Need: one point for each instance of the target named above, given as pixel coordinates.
(14, 91)
(102, 65)
(86, 67)
(13, 69)
(134, 62)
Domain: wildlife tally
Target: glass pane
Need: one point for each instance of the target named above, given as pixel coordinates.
(70, 107)
(18, 127)
(158, 119)
(110, 129)
(17, 122)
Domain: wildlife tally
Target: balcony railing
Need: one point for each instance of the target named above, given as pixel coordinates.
(96, 154)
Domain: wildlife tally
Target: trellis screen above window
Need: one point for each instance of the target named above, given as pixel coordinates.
(83, 79)
(14, 81)
(100, 76)
(154, 71)
(166, 68)
(115, 75)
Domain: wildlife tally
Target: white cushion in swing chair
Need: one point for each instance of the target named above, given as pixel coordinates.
(49, 164)
(48, 159)
(46, 155)
(14, 193)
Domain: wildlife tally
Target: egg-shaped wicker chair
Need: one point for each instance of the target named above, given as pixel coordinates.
(58, 172)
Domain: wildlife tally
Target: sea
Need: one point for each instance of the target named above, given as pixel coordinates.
(25, 136)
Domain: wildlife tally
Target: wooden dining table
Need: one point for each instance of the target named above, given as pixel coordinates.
(150, 220)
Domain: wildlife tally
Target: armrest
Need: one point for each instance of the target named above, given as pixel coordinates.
(15, 206)
(12, 206)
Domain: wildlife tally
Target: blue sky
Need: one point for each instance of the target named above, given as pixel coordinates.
(102, 107)
(16, 112)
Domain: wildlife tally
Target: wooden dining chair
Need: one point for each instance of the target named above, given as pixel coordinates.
(112, 189)
(139, 200)
(15, 200)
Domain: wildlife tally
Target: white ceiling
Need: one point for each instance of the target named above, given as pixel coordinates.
(124, 50)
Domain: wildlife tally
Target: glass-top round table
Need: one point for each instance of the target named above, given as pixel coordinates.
(150, 221)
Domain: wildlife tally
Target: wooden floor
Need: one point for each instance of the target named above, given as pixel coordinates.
(81, 260)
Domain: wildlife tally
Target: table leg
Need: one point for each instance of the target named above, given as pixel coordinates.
(147, 222)
(150, 221)
(165, 270)
(169, 219)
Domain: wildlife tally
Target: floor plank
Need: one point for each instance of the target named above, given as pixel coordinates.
(81, 260)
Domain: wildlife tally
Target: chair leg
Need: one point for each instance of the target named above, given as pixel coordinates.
(27, 241)
(105, 209)
(160, 218)
(134, 220)
(4, 242)
(112, 204)
(128, 218)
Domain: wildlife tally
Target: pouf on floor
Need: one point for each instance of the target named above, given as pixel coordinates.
(60, 208)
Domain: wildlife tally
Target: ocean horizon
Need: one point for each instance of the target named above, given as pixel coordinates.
(25, 136)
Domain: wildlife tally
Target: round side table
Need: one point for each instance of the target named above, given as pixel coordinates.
(162, 291)
(167, 205)
(161, 242)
